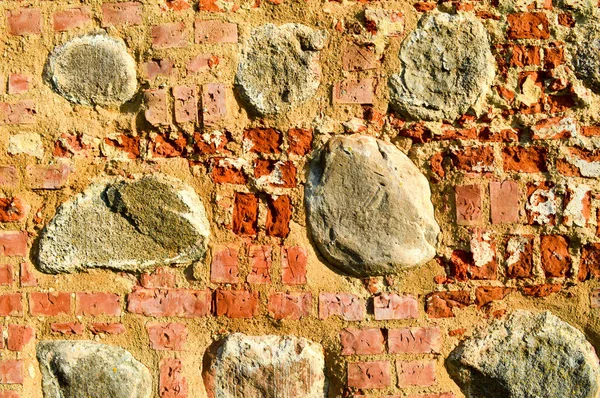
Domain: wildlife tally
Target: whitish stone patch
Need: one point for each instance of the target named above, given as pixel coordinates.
(92, 70)
(279, 67)
(446, 68)
(77, 369)
(126, 225)
(26, 143)
(265, 367)
(369, 207)
(525, 356)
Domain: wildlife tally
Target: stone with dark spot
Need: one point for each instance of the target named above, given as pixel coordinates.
(126, 225)
(264, 367)
(94, 69)
(527, 355)
(369, 207)
(77, 369)
(585, 47)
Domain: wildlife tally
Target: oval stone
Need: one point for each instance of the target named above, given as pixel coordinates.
(92, 70)
(586, 57)
(369, 207)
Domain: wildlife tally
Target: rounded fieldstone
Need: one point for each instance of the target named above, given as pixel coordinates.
(279, 67)
(528, 355)
(446, 68)
(369, 207)
(586, 55)
(92, 70)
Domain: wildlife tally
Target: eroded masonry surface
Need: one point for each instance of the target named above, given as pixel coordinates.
(307, 199)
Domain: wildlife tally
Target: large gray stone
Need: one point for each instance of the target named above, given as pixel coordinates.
(585, 45)
(279, 67)
(369, 207)
(83, 369)
(92, 70)
(264, 367)
(126, 225)
(528, 355)
(446, 67)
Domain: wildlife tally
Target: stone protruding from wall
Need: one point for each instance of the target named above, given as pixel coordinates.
(446, 68)
(93, 70)
(527, 355)
(126, 225)
(76, 369)
(586, 57)
(265, 367)
(369, 207)
(279, 67)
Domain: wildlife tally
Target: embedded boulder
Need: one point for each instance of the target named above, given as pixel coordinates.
(585, 46)
(279, 67)
(264, 367)
(94, 69)
(75, 369)
(369, 207)
(446, 68)
(526, 355)
(126, 225)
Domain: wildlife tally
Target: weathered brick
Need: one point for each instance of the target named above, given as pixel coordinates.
(442, 304)
(525, 159)
(375, 374)
(262, 140)
(293, 265)
(260, 264)
(106, 328)
(224, 265)
(300, 141)
(18, 112)
(245, 214)
(170, 302)
(9, 176)
(420, 340)
(73, 18)
(54, 176)
(6, 275)
(122, 13)
(279, 215)
(67, 328)
(276, 173)
(49, 304)
(367, 341)
(9, 394)
(157, 111)
(214, 102)
(595, 298)
(169, 35)
(215, 32)
(13, 209)
(468, 205)
(345, 305)
(227, 171)
(94, 304)
(202, 63)
(13, 243)
(158, 67)
(525, 56)
(543, 290)
(186, 104)
(519, 256)
(354, 92)
(167, 336)
(160, 277)
(528, 25)
(416, 373)
(356, 57)
(504, 202)
(236, 303)
(18, 83)
(11, 371)
(24, 21)
(388, 306)
(19, 336)
(556, 261)
(172, 382)
(477, 159)
(289, 305)
(11, 304)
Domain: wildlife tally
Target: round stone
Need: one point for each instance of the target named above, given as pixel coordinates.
(446, 68)
(92, 70)
(586, 58)
(279, 67)
(369, 207)
(527, 355)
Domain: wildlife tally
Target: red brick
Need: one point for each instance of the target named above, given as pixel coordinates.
(468, 205)
(554, 128)
(49, 304)
(157, 111)
(345, 305)
(116, 14)
(18, 337)
(374, 374)
(356, 57)
(262, 140)
(67, 328)
(215, 32)
(525, 159)
(227, 171)
(11, 304)
(186, 104)
(554, 56)
(53, 176)
(224, 265)
(589, 266)
(441, 395)
(13, 243)
(169, 302)
(13, 209)
(478, 159)
(442, 304)
(556, 260)
(158, 67)
(9, 394)
(11, 371)
(169, 35)
(172, 383)
(245, 214)
(354, 92)
(279, 215)
(71, 19)
(519, 256)
(202, 63)
(361, 341)
(293, 265)
(421, 340)
(543, 290)
(289, 305)
(18, 83)
(24, 21)
(18, 112)
(578, 205)
(543, 203)
(214, 102)
(161, 277)
(6, 275)
(525, 56)
(9, 176)
(167, 336)
(167, 145)
(388, 306)
(300, 141)
(504, 202)
(277, 173)
(566, 19)
(486, 294)
(107, 328)
(415, 373)
(130, 146)
(94, 304)
(237, 303)
(260, 263)
(528, 25)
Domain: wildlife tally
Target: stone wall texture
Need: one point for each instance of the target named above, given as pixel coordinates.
(299, 198)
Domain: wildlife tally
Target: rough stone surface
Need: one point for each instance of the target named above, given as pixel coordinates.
(369, 207)
(279, 67)
(586, 54)
(77, 369)
(446, 68)
(265, 367)
(126, 225)
(528, 355)
(93, 70)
